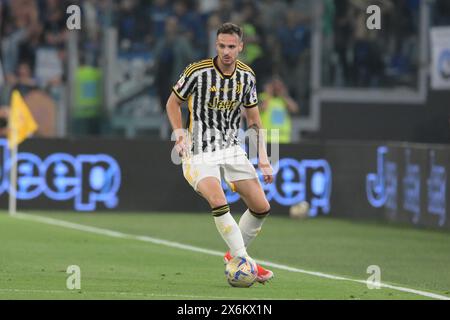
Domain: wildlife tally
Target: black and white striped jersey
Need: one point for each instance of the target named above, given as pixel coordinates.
(214, 102)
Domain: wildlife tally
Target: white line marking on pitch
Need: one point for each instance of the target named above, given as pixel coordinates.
(172, 244)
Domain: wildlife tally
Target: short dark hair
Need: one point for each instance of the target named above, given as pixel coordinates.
(230, 28)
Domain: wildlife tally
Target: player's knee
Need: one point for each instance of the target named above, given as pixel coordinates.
(216, 200)
(262, 209)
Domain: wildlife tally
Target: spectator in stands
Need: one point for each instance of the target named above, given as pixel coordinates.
(248, 19)
(293, 38)
(213, 24)
(400, 37)
(20, 17)
(260, 45)
(207, 7)
(90, 23)
(276, 108)
(89, 39)
(368, 64)
(55, 30)
(192, 27)
(329, 58)
(226, 10)
(343, 41)
(172, 54)
(272, 13)
(414, 9)
(28, 48)
(159, 10)
(23, 80)
(87, 113)
(132, 25)
(305, 9)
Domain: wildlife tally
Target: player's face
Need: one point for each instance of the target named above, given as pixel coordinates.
(228, 48)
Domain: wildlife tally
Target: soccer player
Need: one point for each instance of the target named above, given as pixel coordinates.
(216, 89)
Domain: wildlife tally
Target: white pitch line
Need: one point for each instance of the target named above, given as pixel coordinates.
(117, 234)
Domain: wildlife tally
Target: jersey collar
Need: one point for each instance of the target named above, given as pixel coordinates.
(224, 76)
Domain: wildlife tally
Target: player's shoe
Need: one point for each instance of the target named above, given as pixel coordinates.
(263, 276)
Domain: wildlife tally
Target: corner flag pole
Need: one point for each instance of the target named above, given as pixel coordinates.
(21, 126)
(13, 174)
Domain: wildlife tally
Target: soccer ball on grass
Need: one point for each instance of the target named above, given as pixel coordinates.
(299, 210)
(241, 272)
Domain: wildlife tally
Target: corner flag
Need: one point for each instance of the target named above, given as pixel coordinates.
(21, 125)
(21, 121)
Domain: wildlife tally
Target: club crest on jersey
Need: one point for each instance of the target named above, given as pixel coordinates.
(226, 89)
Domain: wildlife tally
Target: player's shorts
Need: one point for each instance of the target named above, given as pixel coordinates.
(231, 164)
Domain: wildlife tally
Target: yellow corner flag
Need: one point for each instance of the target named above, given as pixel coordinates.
(21, 121)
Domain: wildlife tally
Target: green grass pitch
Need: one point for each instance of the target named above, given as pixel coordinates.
(34, 257)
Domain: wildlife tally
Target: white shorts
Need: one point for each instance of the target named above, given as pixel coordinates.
(231, 164)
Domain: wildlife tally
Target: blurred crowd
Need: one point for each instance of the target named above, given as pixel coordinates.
(177, 32)
(33, 36)
(32, 56)
(277, 36)
(372, 58)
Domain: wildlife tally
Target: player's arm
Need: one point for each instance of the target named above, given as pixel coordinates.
(173, 108)
(180, 92)
(254, 123)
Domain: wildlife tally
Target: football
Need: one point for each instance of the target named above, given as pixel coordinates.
(299, 211)
(241, 272)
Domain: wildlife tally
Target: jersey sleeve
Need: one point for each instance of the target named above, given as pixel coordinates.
(185, 85)
(251, 98)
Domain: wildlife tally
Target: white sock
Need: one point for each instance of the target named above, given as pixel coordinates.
(250, 225)
(229, 230)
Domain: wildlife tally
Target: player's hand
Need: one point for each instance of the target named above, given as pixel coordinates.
(267, 172)
(181, 147)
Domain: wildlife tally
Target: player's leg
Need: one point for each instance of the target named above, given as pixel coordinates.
(243, 177)
(253, 218)
(211, 189)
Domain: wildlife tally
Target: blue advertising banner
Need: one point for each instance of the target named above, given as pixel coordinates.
(396, 182)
